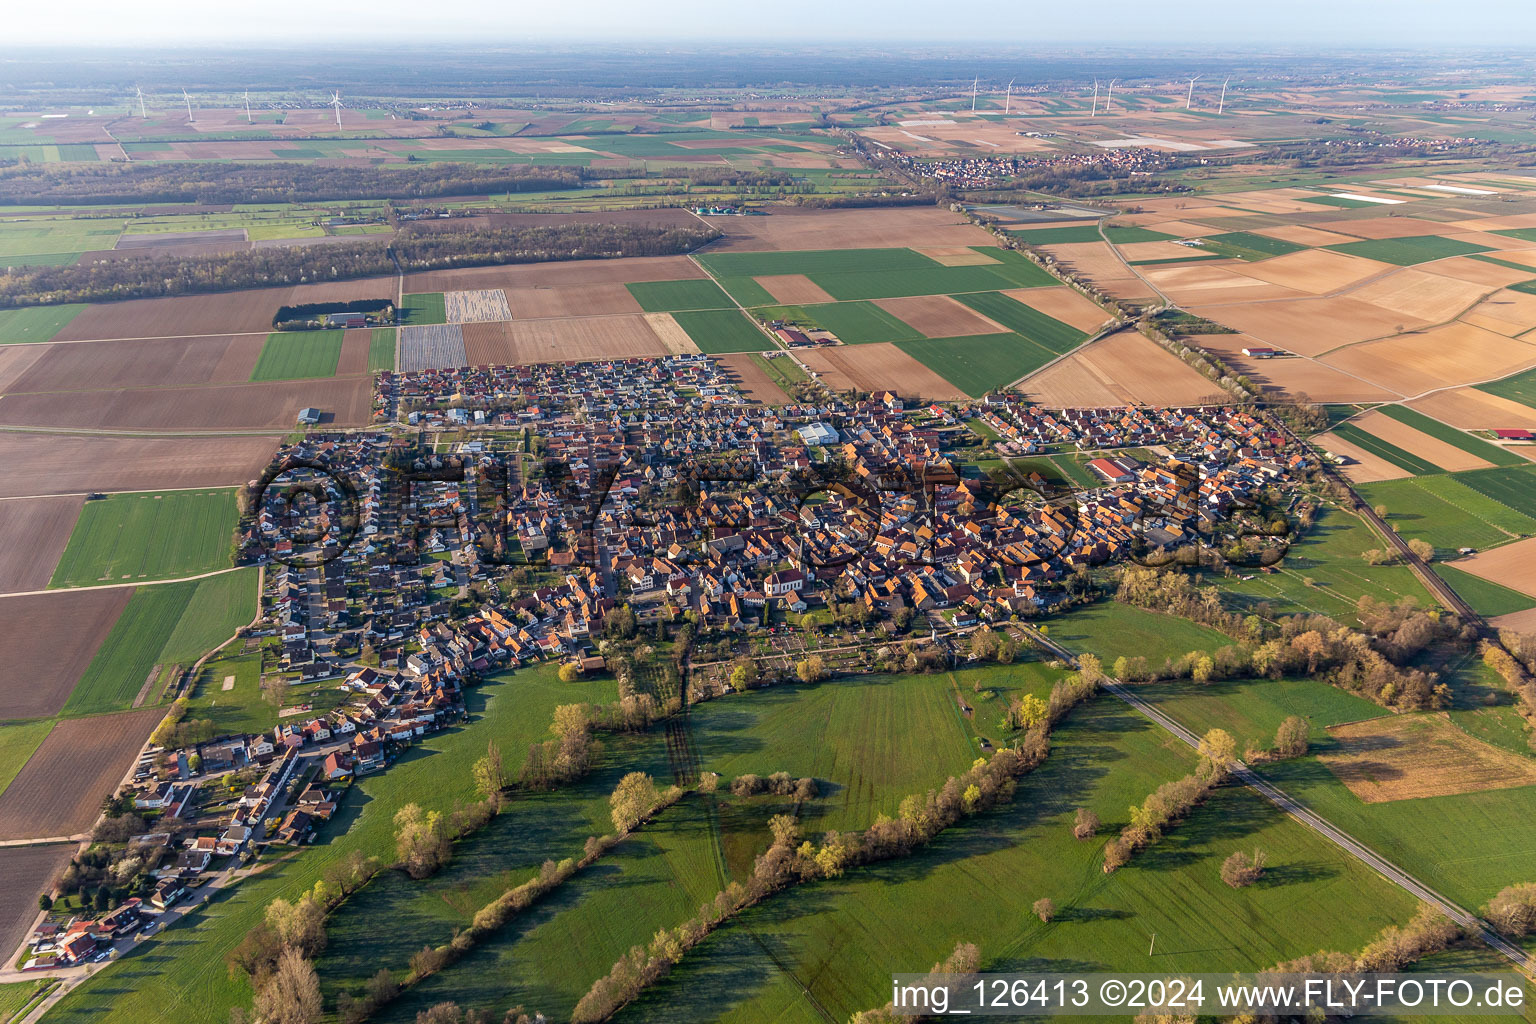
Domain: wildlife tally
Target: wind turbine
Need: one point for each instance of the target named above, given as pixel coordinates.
(142, 112)
(1095, 98)
(973, 93)
(1223, 105)
(189, 105)
(336, 102)
(1008, 102)
(1109, 97)
(247, 106)
(1191, 97)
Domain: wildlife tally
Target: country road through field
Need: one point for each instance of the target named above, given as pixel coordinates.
(1317, 823)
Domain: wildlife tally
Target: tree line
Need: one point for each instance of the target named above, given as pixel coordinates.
(224, 183)
(164, 275)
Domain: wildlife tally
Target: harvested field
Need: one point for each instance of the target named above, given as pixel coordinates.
(162, 362)
(1318, 271)
(59, 790)
(938, 316)
(878, 366)
(1096, 262)
(670, 333)
(790, 229)
(1364, 467)
(1512, 566)
(1422, 295)
(955, 255)
(1293, 374)
(1504, 312)
(35, 532)
(1442, 454)
(556, 341)
(48, 642)
(63, 464)
(1465, 268)
(1122, 369)
(354, 351)
(346, 402)
(27, 870)
(566, 274)
(793, 289)
(433, 347)
(544, 301)
(478, 306)
(1309, 326)
(1406, 757)
(1473, 409)
(1215, 281)
(1412, 364)
(1065, 304)
(753, 379)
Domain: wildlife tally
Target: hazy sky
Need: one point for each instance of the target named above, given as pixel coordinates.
(1345, 23)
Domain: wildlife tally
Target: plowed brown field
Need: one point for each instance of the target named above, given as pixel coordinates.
(939, 316)
(69, 464)
(35, 531)
(552, 341)
(162, 362)
(48, 641)
(348, 402)
(790, 229)
(880, 366)
(58, 792)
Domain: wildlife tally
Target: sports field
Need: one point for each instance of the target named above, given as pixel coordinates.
(36, 323)
(132, 537)
(675, 296)
(979, 363)
(297, 355)
(163, 626)
(722, 330)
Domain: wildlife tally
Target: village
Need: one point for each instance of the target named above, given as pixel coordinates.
(536, 507)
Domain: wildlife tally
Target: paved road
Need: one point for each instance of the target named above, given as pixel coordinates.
(1322, 826)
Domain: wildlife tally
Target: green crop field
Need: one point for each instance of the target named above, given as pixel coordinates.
(423, 308)
(746, 291)
(1524, 234)
(785, 372)
(890, 284)
(1110, 629)
(381, 349)
(1245, 245)
(164, 625)
(1341, 202)
(1069, 235)
(1017, 268)
(1252, 709)
(671, 296)
(1045, 331)
(722, 330)
(1513, 488)
(850, 274)
(979, 363)
(1487, 597)
(1528, 287)
(296, 355)
(36, 323)
(181, 978)
(16, 995)
(17, 741)
(1124, 234)
(1405, 252)
(813, 262)
(1496, 454)
(1446, 512)
(858, 323)
(1519, 388)
(163, 535)
(840, 939)
(1391, 452)
(23, 237)
(1324, 573)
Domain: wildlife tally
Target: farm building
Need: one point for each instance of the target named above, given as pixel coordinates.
(309, 416)
(1259, 352)
(1515, 434)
